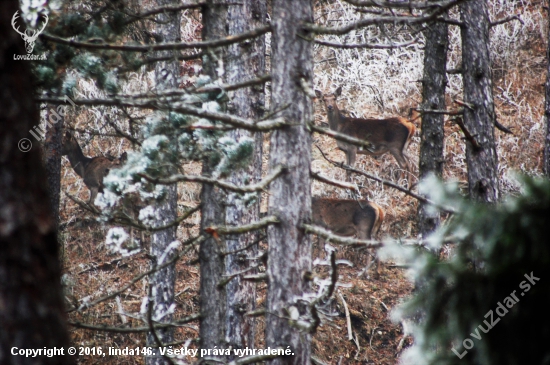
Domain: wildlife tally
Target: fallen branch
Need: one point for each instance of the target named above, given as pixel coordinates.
(346, 311)
(105, 328)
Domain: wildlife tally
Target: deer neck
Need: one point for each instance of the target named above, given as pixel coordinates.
(335, 119)
(78, 160)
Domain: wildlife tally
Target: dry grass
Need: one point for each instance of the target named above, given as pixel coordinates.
(376, 83)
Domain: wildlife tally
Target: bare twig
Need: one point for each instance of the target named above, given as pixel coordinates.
(364, 45)
(506, 20)
(254, 226)
(161, 46)
(342, 137)
(340, 184)
(163, 9)
(387, 183)
(264, 125)
(438, 9)
(348, 241)
(104, 328)
(222, 184)
(467, 134)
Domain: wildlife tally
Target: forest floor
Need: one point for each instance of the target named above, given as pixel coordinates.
(91, 271)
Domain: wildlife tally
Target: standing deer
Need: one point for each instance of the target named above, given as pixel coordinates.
(391, 135)
(91, 169)
(348, 217)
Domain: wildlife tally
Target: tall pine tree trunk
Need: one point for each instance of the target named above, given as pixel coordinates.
(162, 282)
(289, 255)
(546, 161)
(432, 134)
(52, 157)
(245, 61)
(212, 297)
(32, 314)
(479, 114)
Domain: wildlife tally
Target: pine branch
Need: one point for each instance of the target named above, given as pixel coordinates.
(346, 241)
(222, 184)
(341, 137)
(365, 45)
(339, 184)
(265, 125)
(163, 9)
(387, 183)
(254, 226)
(442, 7)
(160, 46)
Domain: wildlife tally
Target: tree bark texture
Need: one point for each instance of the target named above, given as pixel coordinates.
(212, 297)
(432, 136)
(289, 254)
(32, 314)
(245, 61)
(479, 115)
(162, 282)
(546, 160)
(52, 157)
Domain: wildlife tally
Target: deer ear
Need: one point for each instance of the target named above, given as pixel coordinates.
(319, 94)
(338, 91)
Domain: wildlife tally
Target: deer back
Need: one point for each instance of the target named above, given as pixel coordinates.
(348, 217)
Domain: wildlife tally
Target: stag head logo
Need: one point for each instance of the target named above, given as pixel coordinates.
(30, 35)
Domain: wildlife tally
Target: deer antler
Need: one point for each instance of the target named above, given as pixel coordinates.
(13, 20)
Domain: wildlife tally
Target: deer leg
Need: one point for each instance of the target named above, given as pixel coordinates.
(93, 193)
(351, 155)
(403, 164)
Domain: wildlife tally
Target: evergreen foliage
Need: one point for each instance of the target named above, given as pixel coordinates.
(497, 314)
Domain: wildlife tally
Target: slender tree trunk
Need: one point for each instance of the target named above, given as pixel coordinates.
(289, 255)
(245, 61)
(162, 282)
(212, 297)
(32, 314)
(479, 115)
(546, 161)
(432, 135)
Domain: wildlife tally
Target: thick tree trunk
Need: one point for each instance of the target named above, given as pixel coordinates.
(212, 297)
(479, 114)
(245, 61)
(433, 96)
(162, 282)
(289, 255)
(52, 157)
(31, 305)
(546, 161)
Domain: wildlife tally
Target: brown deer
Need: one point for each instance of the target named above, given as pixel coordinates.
(391, 135)
(91, 169)
(348, 217)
